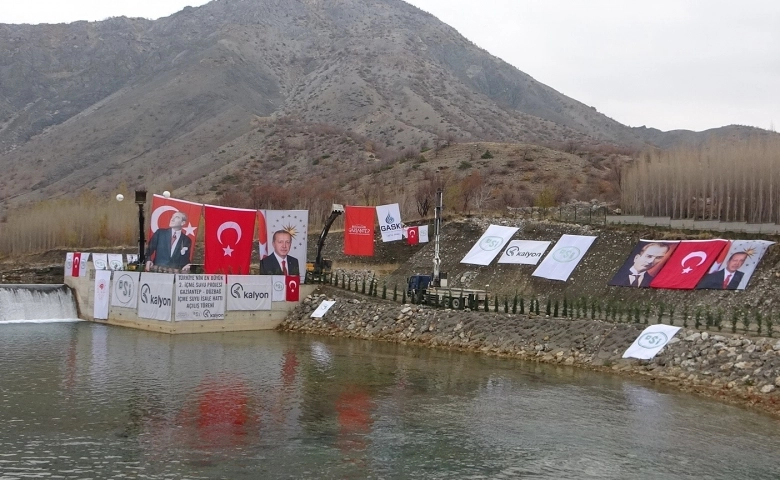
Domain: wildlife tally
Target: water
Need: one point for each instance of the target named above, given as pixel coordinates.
(36, 304)
(83, 400)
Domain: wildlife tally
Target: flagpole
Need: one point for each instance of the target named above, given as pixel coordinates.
(140, 200)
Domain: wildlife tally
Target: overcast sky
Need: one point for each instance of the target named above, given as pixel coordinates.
(668, 64)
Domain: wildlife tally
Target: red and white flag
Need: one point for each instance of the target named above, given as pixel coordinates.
(76, 265)
(359, 231)
(689, 262)
(164, 208)
(293, 283)
(229, 236)
(262, 233)
(413, 235)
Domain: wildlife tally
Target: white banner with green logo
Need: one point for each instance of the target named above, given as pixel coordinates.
(651, 341)
(564, 257)
(488, 246)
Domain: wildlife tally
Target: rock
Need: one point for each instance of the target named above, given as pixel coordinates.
(692, 338)
(767, 389)
(705, 335)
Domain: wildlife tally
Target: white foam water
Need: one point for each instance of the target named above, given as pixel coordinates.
(36, 304)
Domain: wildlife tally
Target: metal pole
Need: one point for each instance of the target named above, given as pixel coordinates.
(436, 232)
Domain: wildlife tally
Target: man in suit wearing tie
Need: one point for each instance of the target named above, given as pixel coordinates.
(726, 278)
(279, 263)
(170, 248)
(637, 275)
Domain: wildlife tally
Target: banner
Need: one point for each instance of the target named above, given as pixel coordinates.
(490, 243)
(115, 261)
(413, 235)
(688, 264)
(124, 290)
(172, 220)
(564, 257)
(651, 341)
(229, 236)
(293, 283)
(322, 309)
(200, 297)
(287, 232)
(155, 296)
(526, 252)
(390, 222)
(102, 281)
(100, 260)
(83, 265)
(75, 267)
(359, 231)
(280, 289)
(735, 266)
(423, 233)
(643, 264)
(68, 270)
(249, 292)
(262, 233)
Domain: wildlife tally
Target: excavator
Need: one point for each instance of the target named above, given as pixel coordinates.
(319, 269)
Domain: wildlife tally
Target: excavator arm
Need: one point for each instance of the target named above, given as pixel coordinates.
(336, 210)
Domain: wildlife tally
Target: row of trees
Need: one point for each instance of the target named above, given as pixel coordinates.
(726, 180)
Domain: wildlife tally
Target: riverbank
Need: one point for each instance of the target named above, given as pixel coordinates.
(737, 369)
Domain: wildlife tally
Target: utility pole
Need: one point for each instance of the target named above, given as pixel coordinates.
(436, 281)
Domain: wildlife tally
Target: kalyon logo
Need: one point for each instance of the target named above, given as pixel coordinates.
(516, 252)
(359, 230)
(237, 291)
(147, 297)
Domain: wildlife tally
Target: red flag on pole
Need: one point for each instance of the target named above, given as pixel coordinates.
(229, 236)
(262, 235)
(359, 230)
(689, 262)
(162, 211)
(413, 235)
(293, 288)
(74, 271)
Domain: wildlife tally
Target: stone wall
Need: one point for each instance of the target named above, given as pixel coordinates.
(737, 369)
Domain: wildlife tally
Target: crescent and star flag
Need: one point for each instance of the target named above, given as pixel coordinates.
(164, 208)
(76, 265)
(390, 222)
(262, 233)
(359, 231)
(689, 262)
(229, 236)
(413, 235)
(293, 283)
(488, 246)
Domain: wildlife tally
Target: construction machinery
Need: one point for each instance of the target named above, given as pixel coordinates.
(320, 268)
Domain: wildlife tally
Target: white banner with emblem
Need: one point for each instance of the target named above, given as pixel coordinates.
(651, 341)
(390, 222)
(564, 257)
(488, 246)
(250, 292)
(200, 297)
(155, 296)
(124, 290)
(280, 288)
(102, 280)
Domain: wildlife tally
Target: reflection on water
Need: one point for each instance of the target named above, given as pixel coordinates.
(83, 400)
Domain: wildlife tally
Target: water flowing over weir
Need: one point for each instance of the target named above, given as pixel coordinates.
(36, 304)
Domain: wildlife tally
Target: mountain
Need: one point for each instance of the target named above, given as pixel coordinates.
(246, 92)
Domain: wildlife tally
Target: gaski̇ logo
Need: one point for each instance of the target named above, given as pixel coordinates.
(391, 224)
(147, 297)
(237, 291)
(515, 251)
(490, 243)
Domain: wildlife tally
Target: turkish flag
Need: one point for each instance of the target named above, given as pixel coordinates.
(689, 262)
(164, 208)
(229, 236)
(359, 231)
(293, 283)
(262, 235)
(413, 235)
(74, 271)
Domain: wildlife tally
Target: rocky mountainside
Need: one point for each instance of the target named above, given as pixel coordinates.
(251, 86)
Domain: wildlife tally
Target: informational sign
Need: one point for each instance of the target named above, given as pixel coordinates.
(102, 281)
(100, 260)
(564, 257)
(526, 252)
(488, 246)
(323, 308)
(651, 341)
(200, 297)
(155, 296)
(249, 292)
(124, 290)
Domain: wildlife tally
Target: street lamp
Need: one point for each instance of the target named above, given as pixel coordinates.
(140, 200)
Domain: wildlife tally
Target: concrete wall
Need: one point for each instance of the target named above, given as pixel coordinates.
(690, 224)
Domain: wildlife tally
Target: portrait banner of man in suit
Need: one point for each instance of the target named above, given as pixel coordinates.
(287, 232)
(734, 269)
(643, 264)
(173, 230)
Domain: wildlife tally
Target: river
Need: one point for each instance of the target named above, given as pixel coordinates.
(82, 400)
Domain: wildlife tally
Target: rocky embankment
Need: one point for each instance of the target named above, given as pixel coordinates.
(734, 368)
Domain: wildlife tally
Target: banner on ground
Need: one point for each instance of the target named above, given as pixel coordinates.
(200, 297)
(249, 292)
(643, 263)
(100, 260)
(690, 261)
(359, 231)
(735, 266)
(322, 309)
(651, 341)
(489, 244)
(162, 212)
(124, 290)
(296, 224)
(564, 257)
(390, 225)
(102, 282)
(115, 261)
(526, 252)
(155, 296)
(229, 236)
